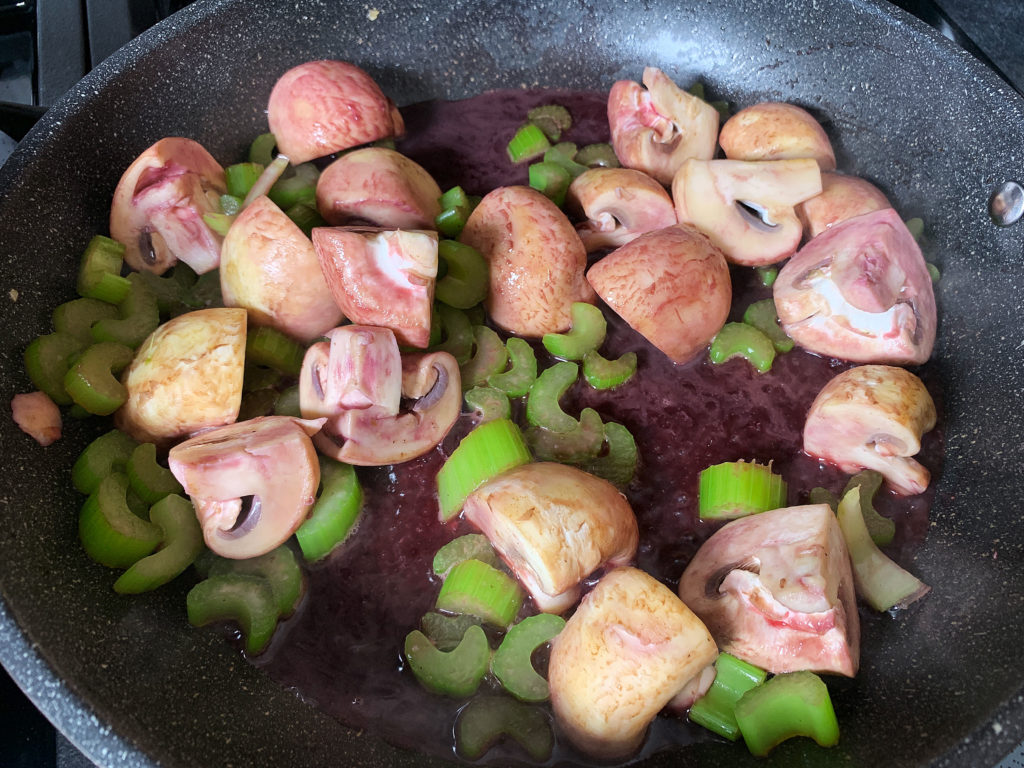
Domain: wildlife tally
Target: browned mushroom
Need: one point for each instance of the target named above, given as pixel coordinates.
(251, 483)
(872, 417)
(842, 197)
(158, 206)
(774, 130)
(619, 204)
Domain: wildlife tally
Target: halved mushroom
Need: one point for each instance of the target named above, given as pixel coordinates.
(536, 260)
(774, 130)
(842, 197)
(872, 417)
(630, 648)
(672, 286)
(326, 106)
(746, 208)
(860, 291)
(620, 204)
(554, 525)
(378, 186)
(269, 268)
(776, 589)
(158, 206)
(252, 483)
(381, 277)
(658, 129)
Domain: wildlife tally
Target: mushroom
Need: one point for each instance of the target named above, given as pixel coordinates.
(630, 648)
(158, 206)
(186, 376)
(774, 130)
(381, 277)
(536, 260)
(746, 208)
(326, 106)
(842, 197)
(269, 267)
(554, 525)
(872, 417)
(620, 204)
(252, 483)
(658, 129)
(776, 590)
(37, 415)
(672, 286)
(860, 291)
(378, 186)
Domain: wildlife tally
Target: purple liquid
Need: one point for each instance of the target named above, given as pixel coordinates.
(341, 651)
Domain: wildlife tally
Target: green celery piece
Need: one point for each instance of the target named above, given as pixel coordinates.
(487, 719)
(172, 293)
(551, 180)
(542, 408)
(465, 283)
(269, 347)
(517, 380)
(602, 373)
(107, 453)
(768, 275)
(471, 546)
(335, 513)
(476, 588)
(742, 340)
(587, 333)
(597, 156)
(230, 205)
(882, 529)
(205, 291)
(446, 632)
(738, 488)
(787, 705)
(576, 446)
(246, 600)
(823, 496)
(451, 221)
(563, 154)
(697, 89)
(136, 504)
(916, 227)
(512, 664)
(259, 377)
(762, 315)
(99, 276)
(477, 314)
(455, 197)
(147, 478)
(715, 710)
(220, 223)
(306, 217)
(618, 465)
(180, 544)
(139, 315)
(298, 187)
(488, 403)
(91, 381)
(262, 149)
(554, 112)
(457, 673)
(933, 272)
(278, 568)
(240, 177)
(529, 142)
(724, 113)
(458, 333)
(256, 403)
(47, 361)
(111, 533)
(287, 403)
(490, 356)
(77, 317)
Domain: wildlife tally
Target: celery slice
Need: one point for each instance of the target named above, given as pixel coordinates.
(512, 663)
(788, 705)
(306, 217)
(246, 600)
(490, 357)
(240, 177)
(542, 407)
(488, 403)
(107, 453)
(553, 113)
(882, 529)
(472, 546)
(99, 276)
(111, 533)
(768, 275)
(602, 373)
(476, 588)
(91, 381)
(597, 156)
(563, 155)
(738, 488)
(517, 380)
(278, 568)
(551, 180)
(457, 673)
(762, 315)
(268, 346)
(262, 149)
(742, 340)
(466, 280)
(487, 719)
(529, 142)
(47, 361)
(151, 481)
(716, 709)
(446, 632)
(287, 403)
(77, 317)
(618, 465)
(582, 442)
(457, 333)
(180, 544)
(138, 316)
(335, 513)
(586, 334)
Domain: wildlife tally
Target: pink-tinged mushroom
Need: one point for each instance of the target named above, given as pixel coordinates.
(536, 260)
(381, 277)
(158, 207)
(860, 291)
(776, 589)
(872, 417)
(747, 208)
(619, 205)
(554, 525)
(270, 269)
(322, 107)
(774, 130)
(630, 648)
(672, 286)
(842, 197)
(37, 415)
(378, 186)
(658, 129)
(252, 483)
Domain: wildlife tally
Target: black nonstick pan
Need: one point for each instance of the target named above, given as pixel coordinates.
(132, 685)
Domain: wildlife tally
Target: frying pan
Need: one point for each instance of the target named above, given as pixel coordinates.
(132, 685)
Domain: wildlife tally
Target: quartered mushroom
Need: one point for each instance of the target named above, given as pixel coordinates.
(326, 106)
(656, 130)
(776, 590)
(536, 260)
(269, 268)
(774, 130)
(860, 291)
(747, 208)
(554, 525)
(381, 277)
(842, 197)
(873, 417)
(158, 206)
(378, 186)
(251, 483)
(619, 205)
(629, 649)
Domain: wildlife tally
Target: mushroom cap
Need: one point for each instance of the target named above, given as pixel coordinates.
(775, 130)
(321, 107)
(631, 646)
(776, 589)
(619, 204)
(536, 260)
(269, 268)
(872, 417)
(842, 197)
(672, 286)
